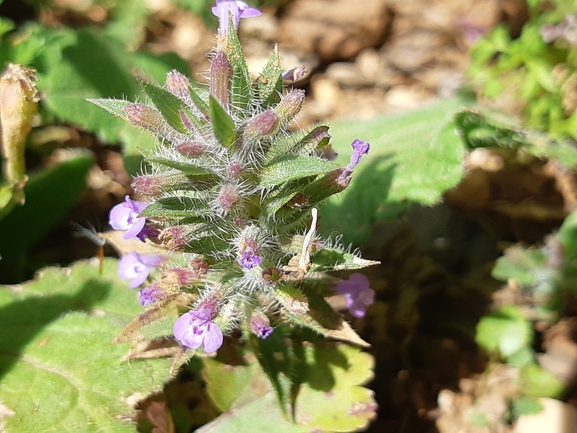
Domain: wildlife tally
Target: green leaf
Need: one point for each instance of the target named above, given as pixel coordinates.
(414, 159)
(328, 397)
(269, 82)
(187, 166)
(519, 263)
(241, 84)
(329, 259)
(129, 18)
(222, 124)
(113, 106)
(168, 105)
(538, 382)
(56, 340)
(176, 207)
(504, 331)
(525, 406)
(291, 167)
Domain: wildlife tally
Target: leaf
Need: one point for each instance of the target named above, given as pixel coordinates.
(328, 259)
(241, 84)
(176, 207)
(414, 159)
(222, 124)
(269, 83)
(56, 340)
(504, 331)
(291, 167)
(329, 397)
(538, 382)
(189, 167)
(519, 263)
(168, 105)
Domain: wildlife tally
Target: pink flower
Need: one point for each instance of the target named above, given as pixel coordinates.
(357, 293)
(195, 329)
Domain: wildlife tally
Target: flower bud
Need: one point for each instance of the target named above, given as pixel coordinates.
(154, 184)
(192, 149)
(199, 266)
(271, 275)
(228, 197)
(179, 277)
(19, 102)
(151, 294)
(260, 325)
(175, 237)
(221, 79)
(290, 105)
(235, 169)
(145, 117)
(178, 85)
(262, 124)
(293, 75)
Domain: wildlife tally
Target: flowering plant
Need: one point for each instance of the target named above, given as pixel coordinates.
(230, 197)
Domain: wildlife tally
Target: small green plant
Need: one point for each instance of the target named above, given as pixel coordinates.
(534, 74)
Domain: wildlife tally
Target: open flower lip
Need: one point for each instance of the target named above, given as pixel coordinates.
(125, 216)
(195, 329)
(234, 9)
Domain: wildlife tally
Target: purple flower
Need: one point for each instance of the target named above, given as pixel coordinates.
(136, 267)
(124, 216)
(249, 258)
(238, 10)
(195, 329)
(150, 295)
(360, 148)
(357, 293)
(260, 325)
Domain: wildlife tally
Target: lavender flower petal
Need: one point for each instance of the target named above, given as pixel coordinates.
(136, 267)
(357, 293)
(125, 216)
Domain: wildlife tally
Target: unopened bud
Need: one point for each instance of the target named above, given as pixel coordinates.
(175, 237)
(290, 105)
(192, 149)
(261, 125)
(198, 265)
(260, 325)
(151, 294)
(235, 169)
(179, 277)
(145, 117)
(178, 85)
(154, 184)
(228, 196)
(221, 78)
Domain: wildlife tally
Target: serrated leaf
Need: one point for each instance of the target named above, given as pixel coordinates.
(222, 124)
(168, 105)
(291, 167)
(504, 331)
(414, 159)
(328, 259)
(56, 339)
(329, 396)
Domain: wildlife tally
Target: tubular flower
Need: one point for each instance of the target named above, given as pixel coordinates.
(136, 267)
(195, 329)
(236, 9)
(357, 293)
(125, 216)
(260, 325)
